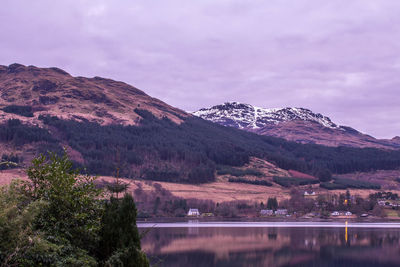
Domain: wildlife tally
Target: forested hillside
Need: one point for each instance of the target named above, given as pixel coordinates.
(159, 149)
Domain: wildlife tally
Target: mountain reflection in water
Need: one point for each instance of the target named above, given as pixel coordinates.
(272, 246)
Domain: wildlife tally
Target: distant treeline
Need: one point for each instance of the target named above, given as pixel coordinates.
(227, 170)
(25, 111)
(246, 181)
(293, 181)
(343, 183)
(190, 152)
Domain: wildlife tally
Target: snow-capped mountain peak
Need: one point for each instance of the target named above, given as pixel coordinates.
(241, 116)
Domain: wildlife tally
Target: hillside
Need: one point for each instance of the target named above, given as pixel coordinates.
(33, 91)
(137, 136)
(293, 124)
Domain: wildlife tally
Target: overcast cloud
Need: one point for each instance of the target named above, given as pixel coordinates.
(338, 57)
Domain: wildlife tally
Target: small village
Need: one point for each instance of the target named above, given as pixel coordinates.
(346, 206)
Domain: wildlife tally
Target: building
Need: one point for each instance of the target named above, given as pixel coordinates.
(193, 212)
(309, 193)
(266, 212)
(381, 203)
(348, 213)
(335, 213)
(281, 212)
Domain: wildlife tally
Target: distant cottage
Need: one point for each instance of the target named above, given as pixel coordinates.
(193, 212)
(309, 193)
(335, 213)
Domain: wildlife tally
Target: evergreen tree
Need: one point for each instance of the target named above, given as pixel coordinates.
(272, 204)
(119, 236)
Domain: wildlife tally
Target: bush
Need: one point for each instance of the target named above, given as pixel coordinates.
(293, 181)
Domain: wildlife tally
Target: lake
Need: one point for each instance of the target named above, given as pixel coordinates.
(271, 244)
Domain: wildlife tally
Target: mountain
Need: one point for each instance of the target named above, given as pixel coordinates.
(54, 92)
(110, 128)
(294, 124)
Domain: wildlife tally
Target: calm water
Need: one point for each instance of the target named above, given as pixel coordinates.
(272, 244)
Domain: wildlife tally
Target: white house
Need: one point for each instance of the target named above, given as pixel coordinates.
(193, 212)
(266, 212)
(335, 213)
(309, 193)
(381, 203)
(348, 213)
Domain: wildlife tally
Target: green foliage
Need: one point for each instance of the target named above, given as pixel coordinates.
(343, 183)
(57, 218)
(293, 181)
(227, 170)
(73, 208)
(245, 181)
(25, 111)
(119, 236)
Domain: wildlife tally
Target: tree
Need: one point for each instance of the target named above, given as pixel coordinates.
(60, 218)
(119, 236)
(324, 175)
(272, 204)
(72, 200)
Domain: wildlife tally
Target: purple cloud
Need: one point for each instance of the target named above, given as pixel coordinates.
(340, 58)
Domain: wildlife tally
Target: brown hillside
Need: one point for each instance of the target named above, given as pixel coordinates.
(52, 91)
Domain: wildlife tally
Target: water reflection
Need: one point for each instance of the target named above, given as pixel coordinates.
(272, 246)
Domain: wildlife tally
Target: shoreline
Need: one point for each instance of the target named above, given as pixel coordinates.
(231, 224)
(267, 220)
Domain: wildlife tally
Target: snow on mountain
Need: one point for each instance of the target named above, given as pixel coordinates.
(250, 117)
(294, 124)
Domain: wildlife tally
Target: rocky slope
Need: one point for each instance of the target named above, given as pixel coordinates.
(294, 124)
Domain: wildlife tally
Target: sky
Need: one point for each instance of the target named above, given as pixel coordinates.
(340, 58)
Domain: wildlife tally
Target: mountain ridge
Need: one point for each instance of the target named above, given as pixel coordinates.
(293, 124)
(54, 92)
